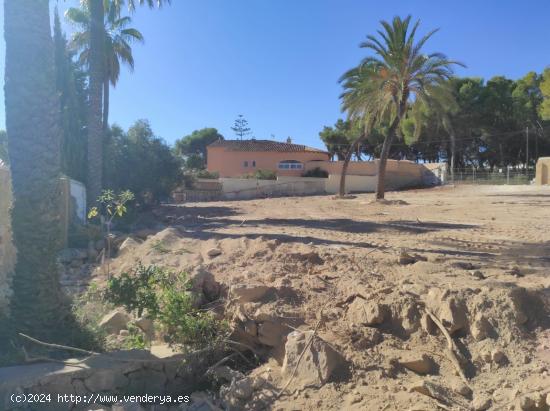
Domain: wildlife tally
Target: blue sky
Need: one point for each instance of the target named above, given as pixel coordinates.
(278, 61)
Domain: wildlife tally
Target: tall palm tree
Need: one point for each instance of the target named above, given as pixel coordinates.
(116, 47)
(34, 136)
(95, 121)
(383, 86)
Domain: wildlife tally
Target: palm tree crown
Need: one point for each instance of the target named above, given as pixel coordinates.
(117, 40)
(383, 86)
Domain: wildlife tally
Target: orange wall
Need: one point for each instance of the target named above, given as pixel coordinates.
(231, 163)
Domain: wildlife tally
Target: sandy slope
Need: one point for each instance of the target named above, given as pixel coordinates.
(483, 255)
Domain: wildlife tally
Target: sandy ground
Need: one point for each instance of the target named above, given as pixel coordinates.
(480, 263)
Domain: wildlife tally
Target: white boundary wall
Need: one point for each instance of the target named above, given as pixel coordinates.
(7, 250)
(399, 175)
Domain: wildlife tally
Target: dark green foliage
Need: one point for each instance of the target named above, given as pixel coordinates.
(193, 147)
(140, 162)
(71, 88)
(316, 172)
(167, 298)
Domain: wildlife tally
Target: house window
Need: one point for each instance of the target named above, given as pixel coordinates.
(245, 164)
(253, 163)
(290, 165)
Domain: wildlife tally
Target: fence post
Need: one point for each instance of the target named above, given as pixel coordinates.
(508, 175)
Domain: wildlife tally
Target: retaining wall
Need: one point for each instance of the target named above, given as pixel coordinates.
(135, 372)
(7, 250)
(248, 188)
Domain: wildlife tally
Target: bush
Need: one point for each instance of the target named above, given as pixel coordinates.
(262, 175)
(140, 162)
(167, 298)
(316, 172)
(214, 175)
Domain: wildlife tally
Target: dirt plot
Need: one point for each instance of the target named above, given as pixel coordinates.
(435, 299)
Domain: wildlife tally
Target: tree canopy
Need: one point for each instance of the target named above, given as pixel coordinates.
(193, 147)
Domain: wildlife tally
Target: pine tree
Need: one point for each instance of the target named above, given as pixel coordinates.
(240, 127)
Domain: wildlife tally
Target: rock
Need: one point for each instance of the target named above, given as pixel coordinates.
(367, 313)
(481, 403)
(478, 274)
(416, 362)
(91, 252)
(127, 406)
(311, 258)
(460, 388)
(428, 325)
(201, 402)
(527, 403)
(365, 338)
(481, 327)
(68, 255)
(242, 388)
(405, 258)
(146, 325)
(498, 356)
(127, 245)
(213, 252)
(271, 333)
(105, 380)
(251, 328)
(317, 364)
(463, 265)
(114, 322)
(515, 271)
(450, 310)
(100, 245)
(124, 333)
(143, 233)
(430, 389)
(227, 374)
(245, 293)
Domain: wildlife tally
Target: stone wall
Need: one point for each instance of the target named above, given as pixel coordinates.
(135, 372)
(7, 250)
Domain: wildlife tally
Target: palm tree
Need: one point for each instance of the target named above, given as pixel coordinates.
(96, 84)
(382, 87)
(34, 136)
(116, 47)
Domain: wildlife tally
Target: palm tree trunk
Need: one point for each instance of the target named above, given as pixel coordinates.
(453, 153)
(95, 89)
(105, 106)
(32, 122)
(342, 191)
(381, 183)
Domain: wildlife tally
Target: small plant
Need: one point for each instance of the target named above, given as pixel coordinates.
(265, 175)
(135, 340)
(214, 175)
(166, 297)
(159, 247)
(111, 205)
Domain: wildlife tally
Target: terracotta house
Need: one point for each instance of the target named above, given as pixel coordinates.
(234, 158)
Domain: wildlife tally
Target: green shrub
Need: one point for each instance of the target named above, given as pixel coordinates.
(265, 175)
(214, 175)
(166, 297)
(262, 175)
(316, 172)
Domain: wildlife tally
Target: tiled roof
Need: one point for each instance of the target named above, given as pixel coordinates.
(263, 145)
